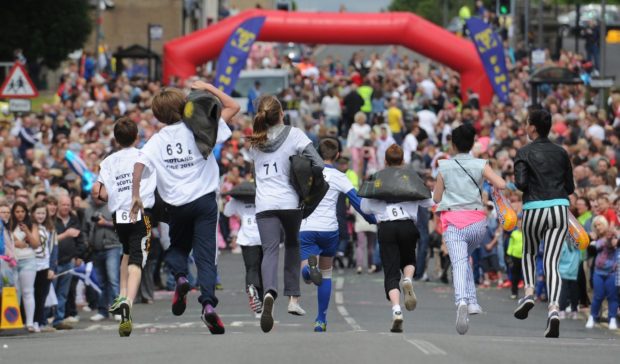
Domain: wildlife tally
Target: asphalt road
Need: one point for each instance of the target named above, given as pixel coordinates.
(358, 331)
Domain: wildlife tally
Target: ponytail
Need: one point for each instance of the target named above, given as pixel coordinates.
(268, 115)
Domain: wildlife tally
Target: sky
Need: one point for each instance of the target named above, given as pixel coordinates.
(351, 5)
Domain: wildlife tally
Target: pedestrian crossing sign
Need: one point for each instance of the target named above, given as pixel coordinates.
(18, 84)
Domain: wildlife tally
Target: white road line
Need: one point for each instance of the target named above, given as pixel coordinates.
(343, 311)
(339, 283)
(92, 327)
(426, 347)
(338, 298)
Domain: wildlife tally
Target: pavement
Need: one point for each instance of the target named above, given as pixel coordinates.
(358, 331)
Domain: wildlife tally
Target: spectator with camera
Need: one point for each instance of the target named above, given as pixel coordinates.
(105, 246)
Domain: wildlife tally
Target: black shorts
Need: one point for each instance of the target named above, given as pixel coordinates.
(490, 263)
(136, 239)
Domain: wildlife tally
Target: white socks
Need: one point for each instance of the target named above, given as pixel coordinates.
(396, 308)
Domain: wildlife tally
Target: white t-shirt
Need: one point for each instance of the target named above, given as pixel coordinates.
(357, 135)
(596, 131)
(22, 253)
(382, 146)
(323, 218)
(43, 252)
(428, 120)
(248, 232)
(331, 106)
(183, 175)
(385, 211)
(410, 145)
(116, 175)
(273, 189)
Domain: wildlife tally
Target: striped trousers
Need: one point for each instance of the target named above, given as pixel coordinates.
(549, 224)
(461, 243)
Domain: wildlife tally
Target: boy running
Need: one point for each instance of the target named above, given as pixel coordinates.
(319, 233)
(187, 182)
(114, 186)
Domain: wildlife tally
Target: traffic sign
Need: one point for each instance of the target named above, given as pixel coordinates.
(20, 105)
(18, 84)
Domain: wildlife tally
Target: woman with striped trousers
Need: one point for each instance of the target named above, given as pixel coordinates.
(458, 192)
(544, 173)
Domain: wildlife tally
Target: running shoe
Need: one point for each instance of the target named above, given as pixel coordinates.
(524, 306)
(315, 273)
(397, 322)
(179, 301)
(124, 328)
(255, 304)
(266, 319)
(474, 309)
(320, 326)
(462, 318)
(115, 307)
(295, 309)
(212, 320)
(410, 299)
(553, 325)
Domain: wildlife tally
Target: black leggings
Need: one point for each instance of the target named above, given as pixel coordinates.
(252, 258)
(41, 289)
(397, 241)
(570, 292)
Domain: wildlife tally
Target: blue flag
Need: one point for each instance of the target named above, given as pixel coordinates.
(491, 51)
(235, 53)
(78, 166)
(87, 274)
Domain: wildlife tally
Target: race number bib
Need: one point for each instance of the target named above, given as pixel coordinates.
(122, 217)
(269, 169)
(249, 220)
(396, 212)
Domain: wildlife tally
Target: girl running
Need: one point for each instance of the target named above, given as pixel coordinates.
(458, 192)
(544, 173)
(398, 236)
(277, 203)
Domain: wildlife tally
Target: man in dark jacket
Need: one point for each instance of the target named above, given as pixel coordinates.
(70, 248)
(353, 102)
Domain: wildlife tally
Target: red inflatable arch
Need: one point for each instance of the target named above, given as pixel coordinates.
(182, 55)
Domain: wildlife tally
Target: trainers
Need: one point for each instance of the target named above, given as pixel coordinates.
(410, 299)
(553, 325)
(613, 325)
(266, 319)
(474, 309)
(359, 270)
(590, 323)
(115, 307)
(372, 269)
(179, 301)
(315, 274)
(255, 304)
(124, 328)
(397, 322)
(562, 315)
(574, 315)
(295, 309)
(462, 319)
(72, 319)
(513, 296)
(320, 326)
(507, 284)
(48, 328)
(524, 306)
(97, 317)
(212, 320)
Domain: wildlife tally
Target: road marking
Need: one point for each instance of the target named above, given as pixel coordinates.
(426, 347)
(339, 298)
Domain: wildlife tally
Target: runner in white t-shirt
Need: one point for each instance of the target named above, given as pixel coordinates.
(187, 182)
(248, 238)
(114, 186)
(277, 203)
(319, 234)
(398, 236)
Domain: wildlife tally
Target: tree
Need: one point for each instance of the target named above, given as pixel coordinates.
(46, 31)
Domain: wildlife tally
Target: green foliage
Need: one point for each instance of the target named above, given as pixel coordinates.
(47, 31)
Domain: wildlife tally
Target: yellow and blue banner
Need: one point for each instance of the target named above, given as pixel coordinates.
(491, 51)
(235, 53)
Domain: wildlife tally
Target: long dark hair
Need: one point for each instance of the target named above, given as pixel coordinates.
(268, 114)
(13, 221)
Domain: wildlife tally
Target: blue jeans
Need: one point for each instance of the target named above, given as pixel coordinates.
(62, 285)
(107, 264)
(604, 287)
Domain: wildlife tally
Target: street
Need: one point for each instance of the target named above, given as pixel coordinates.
(358, 331)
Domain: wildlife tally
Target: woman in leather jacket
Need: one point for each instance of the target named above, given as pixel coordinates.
(544, 173)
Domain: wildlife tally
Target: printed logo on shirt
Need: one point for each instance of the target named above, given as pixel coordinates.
(176, 158)
(123, 182)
